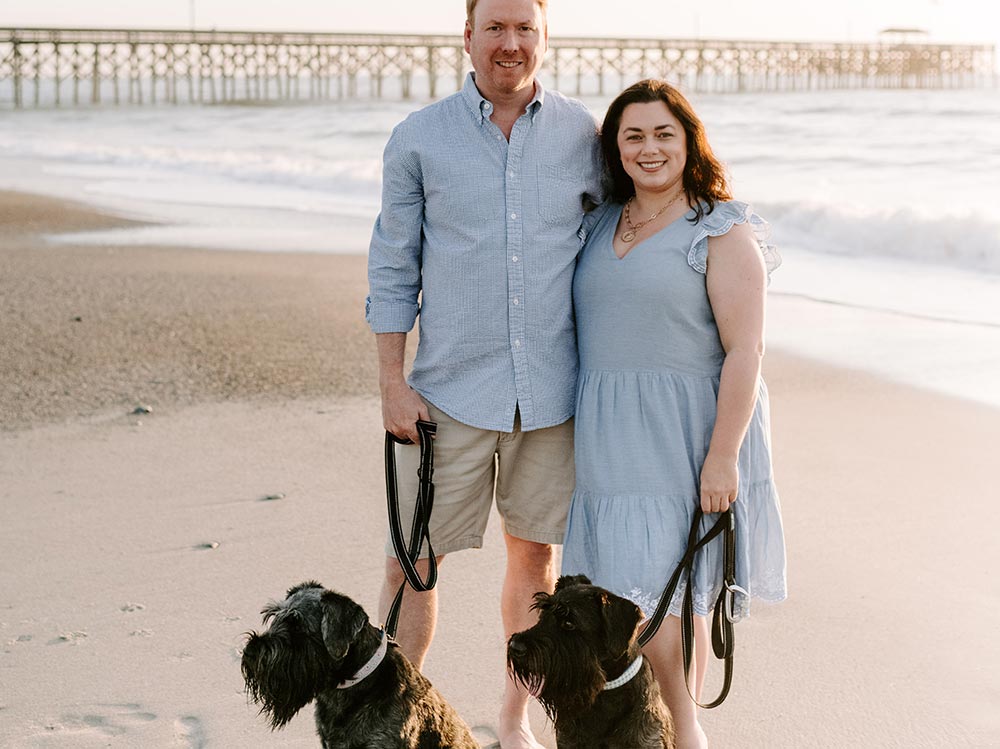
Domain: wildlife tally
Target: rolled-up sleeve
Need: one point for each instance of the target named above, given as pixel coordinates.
(394, 256)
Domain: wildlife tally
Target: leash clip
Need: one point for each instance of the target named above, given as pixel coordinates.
(731, 590)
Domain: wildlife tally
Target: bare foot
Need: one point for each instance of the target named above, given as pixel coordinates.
(517, 734)
(513, 729)
(696, 739)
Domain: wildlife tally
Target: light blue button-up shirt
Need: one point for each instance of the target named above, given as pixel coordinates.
(486, 233)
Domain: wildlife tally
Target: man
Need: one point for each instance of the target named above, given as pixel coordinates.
(483, 198)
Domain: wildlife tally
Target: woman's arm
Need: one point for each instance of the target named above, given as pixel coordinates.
(737, 284)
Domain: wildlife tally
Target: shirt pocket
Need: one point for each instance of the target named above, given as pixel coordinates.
(560, 195)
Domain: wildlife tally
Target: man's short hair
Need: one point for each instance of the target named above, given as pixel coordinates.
(470, 7)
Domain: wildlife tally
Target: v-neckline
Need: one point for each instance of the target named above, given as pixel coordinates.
(636, 246)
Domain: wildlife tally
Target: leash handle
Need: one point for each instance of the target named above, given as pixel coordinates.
(407, 556)
(723, 632)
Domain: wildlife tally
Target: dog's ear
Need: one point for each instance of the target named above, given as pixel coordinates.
(542, 601)
(566, 580)
(621, 620)
(270, 611)
(342, 620)
(302, 586)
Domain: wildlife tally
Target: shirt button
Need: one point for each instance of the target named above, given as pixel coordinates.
(513, 216)
(514, 258)
(487, 106)
(516, 301)
(517, 342)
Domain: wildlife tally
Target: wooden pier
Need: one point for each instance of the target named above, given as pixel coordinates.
(77, 67)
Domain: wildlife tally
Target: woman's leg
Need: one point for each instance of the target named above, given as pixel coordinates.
(666, 657)
(702, 646)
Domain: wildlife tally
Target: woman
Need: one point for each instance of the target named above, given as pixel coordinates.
(671, 411)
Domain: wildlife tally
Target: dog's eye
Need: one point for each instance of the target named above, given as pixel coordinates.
(568, 625)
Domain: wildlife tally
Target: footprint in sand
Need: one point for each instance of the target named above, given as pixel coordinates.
(120, 722)
(69, 637)
(19, 640)
(190, 731)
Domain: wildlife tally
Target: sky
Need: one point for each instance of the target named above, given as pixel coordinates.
(846, 20)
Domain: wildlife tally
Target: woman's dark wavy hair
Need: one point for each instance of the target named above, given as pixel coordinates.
(704, 177)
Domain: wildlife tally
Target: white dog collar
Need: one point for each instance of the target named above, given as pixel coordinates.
(368, 668)
(626, 677)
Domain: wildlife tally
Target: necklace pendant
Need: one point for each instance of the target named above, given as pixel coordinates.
(628, 236)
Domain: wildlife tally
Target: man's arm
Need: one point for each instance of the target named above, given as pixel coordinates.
(394, 264)
(401, 406)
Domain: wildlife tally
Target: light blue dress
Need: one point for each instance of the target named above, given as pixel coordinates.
(650, 361)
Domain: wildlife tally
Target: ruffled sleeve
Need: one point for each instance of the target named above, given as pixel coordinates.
(721, 220)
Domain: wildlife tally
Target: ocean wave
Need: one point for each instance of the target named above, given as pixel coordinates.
(969, 241)
(874, 189)
(357, 178)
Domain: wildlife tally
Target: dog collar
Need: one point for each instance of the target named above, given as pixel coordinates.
(626, 677)
(368, 668)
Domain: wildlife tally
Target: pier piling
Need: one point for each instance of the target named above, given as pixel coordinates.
(183, 67)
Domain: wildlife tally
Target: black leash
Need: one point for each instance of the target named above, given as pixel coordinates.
(723, 641)
(420, 528)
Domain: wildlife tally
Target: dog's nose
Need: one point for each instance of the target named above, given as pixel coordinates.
(516, 648)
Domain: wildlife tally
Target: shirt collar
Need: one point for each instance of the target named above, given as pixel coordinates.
(483, 108)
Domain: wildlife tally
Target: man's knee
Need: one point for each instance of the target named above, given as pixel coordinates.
(526, 553)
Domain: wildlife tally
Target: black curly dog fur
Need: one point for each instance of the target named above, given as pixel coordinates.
(585, 637)
(318, 639)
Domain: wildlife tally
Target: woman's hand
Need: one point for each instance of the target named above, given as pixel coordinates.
(720, 480)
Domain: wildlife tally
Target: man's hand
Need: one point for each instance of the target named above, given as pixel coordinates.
(401, 409)
(401, 406)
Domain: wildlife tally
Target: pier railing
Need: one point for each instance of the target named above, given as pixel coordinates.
(56, 67)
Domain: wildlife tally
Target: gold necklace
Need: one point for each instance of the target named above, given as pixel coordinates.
(633, 229)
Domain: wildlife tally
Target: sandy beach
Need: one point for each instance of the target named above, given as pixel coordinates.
(137, 549)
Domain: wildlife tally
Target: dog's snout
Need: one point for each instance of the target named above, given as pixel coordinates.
(516, 648)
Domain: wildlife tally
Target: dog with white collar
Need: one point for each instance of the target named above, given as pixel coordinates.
(582, 661)
(321, 646)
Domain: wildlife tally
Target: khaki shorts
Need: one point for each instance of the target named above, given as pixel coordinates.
(531, 471)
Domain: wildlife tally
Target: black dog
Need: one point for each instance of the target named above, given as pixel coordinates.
(583, 663)
(320, 646)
